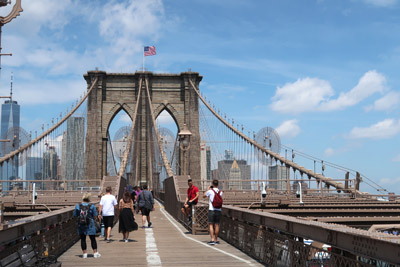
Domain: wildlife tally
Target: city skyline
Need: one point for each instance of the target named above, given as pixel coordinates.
(323, 74)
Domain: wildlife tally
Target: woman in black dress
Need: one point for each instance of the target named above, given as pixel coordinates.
(126, 218)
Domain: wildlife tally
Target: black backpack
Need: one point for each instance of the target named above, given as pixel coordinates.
(83, 219)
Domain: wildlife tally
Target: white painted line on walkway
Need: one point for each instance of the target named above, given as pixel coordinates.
(171, 219)
(153, 259)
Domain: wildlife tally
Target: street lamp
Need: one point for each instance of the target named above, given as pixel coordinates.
(184, 144)
(184, 138)
(16, 10)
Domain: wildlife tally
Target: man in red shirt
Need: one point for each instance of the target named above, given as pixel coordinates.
(191, 199)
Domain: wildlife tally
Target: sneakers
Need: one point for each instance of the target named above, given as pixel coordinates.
(96, 255)
(149, 225)
(84, 256)
(126, 241)
(216, 242)
(212, 243)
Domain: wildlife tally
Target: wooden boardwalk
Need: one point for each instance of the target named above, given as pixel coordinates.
(167, 243)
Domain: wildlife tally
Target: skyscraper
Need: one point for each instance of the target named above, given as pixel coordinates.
(236, 168)
(279, 176)
(50, 164)
(234, 176)
(73, 145)
(10, 118)
(34, 168)
(205, 163)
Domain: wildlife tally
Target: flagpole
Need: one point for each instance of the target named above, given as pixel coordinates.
(143, 59)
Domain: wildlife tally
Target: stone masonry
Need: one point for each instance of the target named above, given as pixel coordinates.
(116, 91)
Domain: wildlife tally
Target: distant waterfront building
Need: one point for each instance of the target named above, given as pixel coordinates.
(234, 177)
(34, 169)
(205, 164)
(50, 164)
(279, 176)
(10, 118)
(63, 155)
(228, 155)
(232, 169)
(73, 145)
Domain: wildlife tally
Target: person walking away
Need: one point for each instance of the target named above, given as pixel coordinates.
(126, 216)
(108, 203)
(146, 205)
(191, 199)
(137, 190)
(214, 210)
(86, 213)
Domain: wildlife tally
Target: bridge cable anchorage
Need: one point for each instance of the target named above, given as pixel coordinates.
(46, 133)
(272, 154)
(124, 160)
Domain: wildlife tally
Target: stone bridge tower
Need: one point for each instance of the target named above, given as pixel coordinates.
(116, 91)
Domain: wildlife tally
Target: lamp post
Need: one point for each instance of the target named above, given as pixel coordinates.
(184, 144)
(16, 10)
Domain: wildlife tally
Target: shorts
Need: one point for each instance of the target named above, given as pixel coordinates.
(214, 216)
(108, 221)
(145, 212)
(191, 203)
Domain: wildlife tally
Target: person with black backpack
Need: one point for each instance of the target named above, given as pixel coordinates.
(146, 205)
(214, 210)
(86, 213)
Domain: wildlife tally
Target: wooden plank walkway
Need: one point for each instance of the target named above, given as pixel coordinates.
(167, 243)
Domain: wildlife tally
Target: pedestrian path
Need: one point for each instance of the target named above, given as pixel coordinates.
(167, 243)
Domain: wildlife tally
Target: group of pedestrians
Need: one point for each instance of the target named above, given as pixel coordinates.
(137, 199)
(134, 200)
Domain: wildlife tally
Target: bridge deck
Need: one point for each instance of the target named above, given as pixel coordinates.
(172, 246)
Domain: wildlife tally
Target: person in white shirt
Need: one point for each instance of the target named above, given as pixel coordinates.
(108, 203)
(214, 214)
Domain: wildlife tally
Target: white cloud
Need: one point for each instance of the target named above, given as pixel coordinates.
(369, 84)
(41, 41)
(381, 130)
(301, 96)
(388, 181)
(165, 118)
(288, 129)
(125, 118)
(397, 158)
(313, 94)
(381, 3)
(124, 25)
(388, 102)
(335, 151)
(51, 91)
(329, 152)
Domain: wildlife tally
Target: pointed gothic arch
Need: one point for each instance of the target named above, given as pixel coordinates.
(116, 91)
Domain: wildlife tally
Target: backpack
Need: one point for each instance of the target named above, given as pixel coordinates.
(217, 201)
(83, 219)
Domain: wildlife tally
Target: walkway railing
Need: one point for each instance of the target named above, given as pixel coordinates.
(50, 233)
(277, 240)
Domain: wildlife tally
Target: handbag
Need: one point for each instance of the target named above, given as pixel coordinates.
(97, 226)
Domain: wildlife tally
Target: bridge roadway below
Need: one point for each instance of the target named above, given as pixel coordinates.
(167, 243)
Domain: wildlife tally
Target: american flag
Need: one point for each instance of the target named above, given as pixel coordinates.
(149, 50)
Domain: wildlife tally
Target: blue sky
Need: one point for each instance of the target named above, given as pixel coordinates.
(323, 73)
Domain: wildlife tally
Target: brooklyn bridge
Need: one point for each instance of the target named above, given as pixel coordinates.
(281, 207)
(269, 218)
